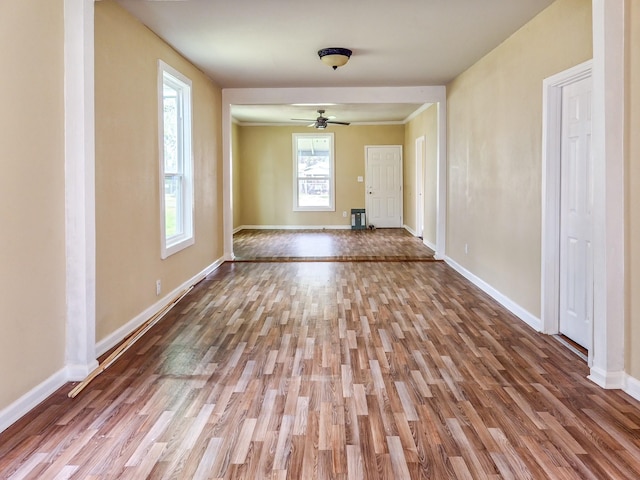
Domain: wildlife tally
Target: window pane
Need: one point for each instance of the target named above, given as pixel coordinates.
(313, 193)
(171, 130)
(172, 205)
(317, 165)
(313, 156)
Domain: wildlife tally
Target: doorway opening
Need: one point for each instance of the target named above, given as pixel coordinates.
(567, 200)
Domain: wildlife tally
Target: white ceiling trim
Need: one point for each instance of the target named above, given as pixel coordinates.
(417, 112)
(299, 124)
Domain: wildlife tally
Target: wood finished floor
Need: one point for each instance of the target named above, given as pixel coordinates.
(334, 370)
(389, 244)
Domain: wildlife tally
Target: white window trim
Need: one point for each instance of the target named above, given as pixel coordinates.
(175, 244)
(332, 176)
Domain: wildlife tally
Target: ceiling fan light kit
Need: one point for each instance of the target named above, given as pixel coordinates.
(320, 122)
(335, 56)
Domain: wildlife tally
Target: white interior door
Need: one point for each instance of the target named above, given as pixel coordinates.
(420, 181)
(576, 205)
(383, 172)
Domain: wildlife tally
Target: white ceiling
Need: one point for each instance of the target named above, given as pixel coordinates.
(274, 43)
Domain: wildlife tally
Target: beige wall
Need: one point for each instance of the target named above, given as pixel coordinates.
(127, 192)
(266, 173)
(425, 124)
(32, 249)
(494, 150)
(632, 334)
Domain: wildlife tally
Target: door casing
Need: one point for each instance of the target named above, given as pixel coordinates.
(420, 185)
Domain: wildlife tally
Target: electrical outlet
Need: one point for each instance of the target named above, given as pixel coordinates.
(344, 214)
(158, 287)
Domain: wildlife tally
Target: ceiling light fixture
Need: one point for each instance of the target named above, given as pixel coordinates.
(335, 56)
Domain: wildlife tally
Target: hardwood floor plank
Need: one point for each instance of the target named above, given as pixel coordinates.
(406, 401)
(398, 460)
(207, 461)
(66, 472)
(355, 468)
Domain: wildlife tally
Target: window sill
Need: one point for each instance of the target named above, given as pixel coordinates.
(176, 246)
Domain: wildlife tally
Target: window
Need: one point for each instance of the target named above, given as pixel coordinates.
(313, 172)
(176, 161)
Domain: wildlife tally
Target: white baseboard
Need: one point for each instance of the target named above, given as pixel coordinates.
(23, 405)
(125, 330)
(503, 300)
(427, 243)
(632, 387)
(77, 373)
(293, 227)
(410, 230)
(609, 380)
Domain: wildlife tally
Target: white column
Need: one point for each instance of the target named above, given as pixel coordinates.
(441, 189)
(79, 187)
(607, 355)
(227, 179)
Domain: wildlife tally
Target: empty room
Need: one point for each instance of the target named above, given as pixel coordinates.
(342, 240)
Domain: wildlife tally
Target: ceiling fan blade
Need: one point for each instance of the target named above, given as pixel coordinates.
(302, 120)
(338, 123)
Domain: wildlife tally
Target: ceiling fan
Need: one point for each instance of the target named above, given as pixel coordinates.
(321, 121)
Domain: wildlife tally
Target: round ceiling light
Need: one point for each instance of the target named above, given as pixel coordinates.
(335, 56)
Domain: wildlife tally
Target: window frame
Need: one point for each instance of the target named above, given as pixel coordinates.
(331, 177)
(186, 237)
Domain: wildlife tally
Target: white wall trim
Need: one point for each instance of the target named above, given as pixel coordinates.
(380, 95)
(632, 387)
(551, 159)
(607, 379)
(80, 249)
(441, 185)
(297, 124)
(429, 244)
(502, 299)
(420, 184)
(227, 180)
(416, 113)
(125, 330)
(606, 358)
(410, 230)
(27, 402)
(293, 227)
